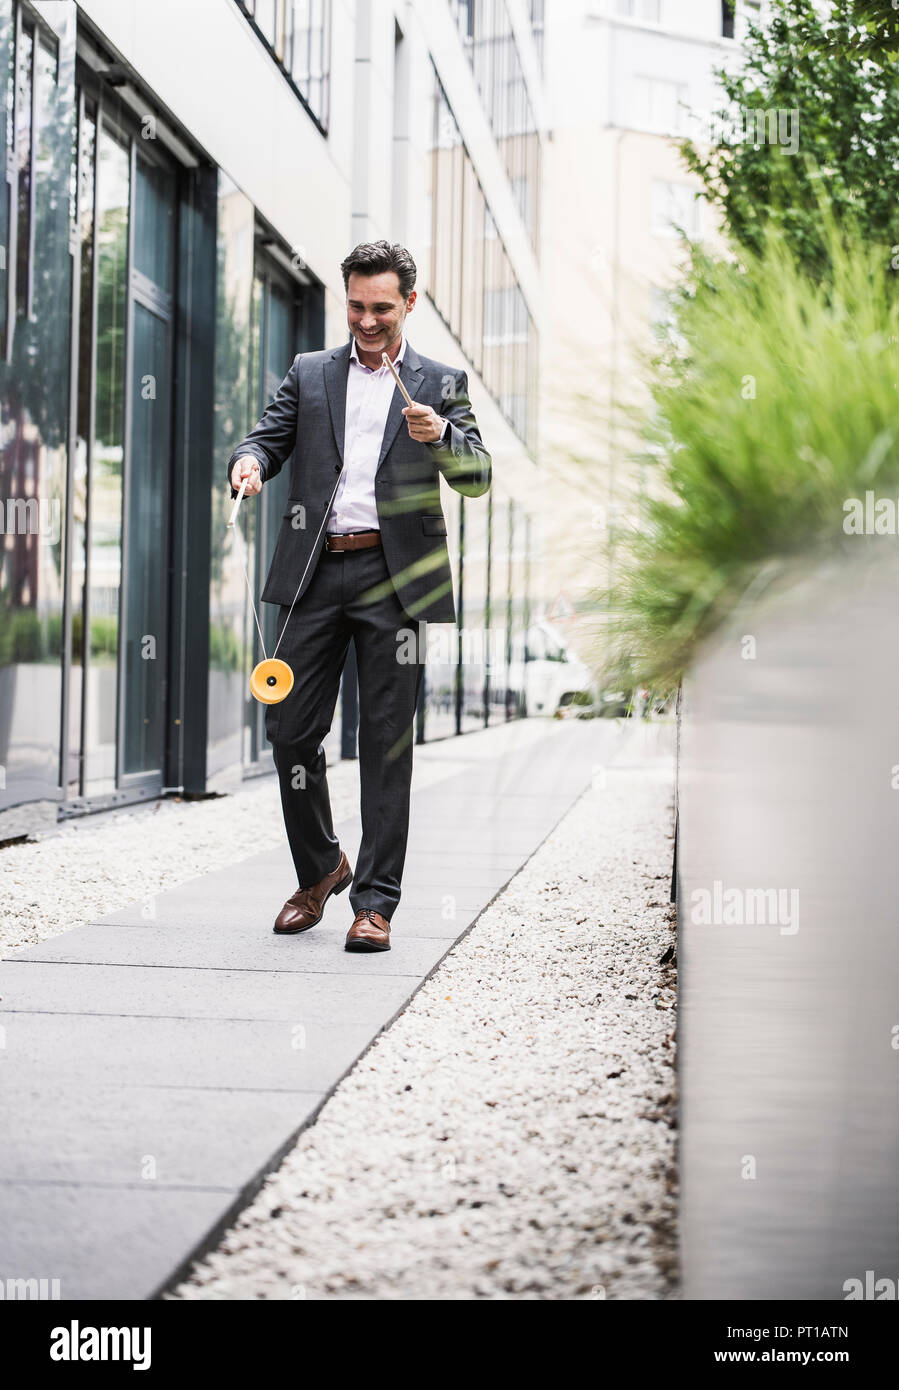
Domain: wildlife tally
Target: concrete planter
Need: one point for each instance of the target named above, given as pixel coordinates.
(788, 897)
(7, 706)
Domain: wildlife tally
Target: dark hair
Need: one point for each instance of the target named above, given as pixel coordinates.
(374, 257)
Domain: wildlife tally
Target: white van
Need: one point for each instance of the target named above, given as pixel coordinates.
(551, 677)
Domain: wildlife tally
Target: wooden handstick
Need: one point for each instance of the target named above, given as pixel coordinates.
(396, 377)
(238, 499)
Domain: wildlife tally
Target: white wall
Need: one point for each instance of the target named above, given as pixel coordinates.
(607, 155)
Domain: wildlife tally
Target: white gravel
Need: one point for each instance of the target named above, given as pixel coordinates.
(511, 1136)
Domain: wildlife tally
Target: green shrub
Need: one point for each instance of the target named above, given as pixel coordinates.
(26, 637)
(776, 402)
(225, 648)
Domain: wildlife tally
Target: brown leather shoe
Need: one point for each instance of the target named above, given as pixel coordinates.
(305, 907)
(369, 932)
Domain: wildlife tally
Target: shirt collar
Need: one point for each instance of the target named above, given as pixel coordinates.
(397, 361)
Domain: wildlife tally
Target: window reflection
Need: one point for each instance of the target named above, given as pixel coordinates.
(22, 126)
(107, 454)
(486, 27)
(85, 205)
(471, 279)
(230, 636)
(36, 122)
(298, 33)
(143, 635)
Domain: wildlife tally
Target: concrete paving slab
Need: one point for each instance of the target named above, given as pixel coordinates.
(177, 993)
(91, 1050)
(147, 1136)
(103, 1242)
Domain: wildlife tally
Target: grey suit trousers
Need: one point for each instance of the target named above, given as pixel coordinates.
(350, 596)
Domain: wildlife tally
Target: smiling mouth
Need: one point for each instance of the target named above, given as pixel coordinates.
(377, 333)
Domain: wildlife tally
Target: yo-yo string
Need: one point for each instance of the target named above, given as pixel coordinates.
(308, 563)
(253, 606)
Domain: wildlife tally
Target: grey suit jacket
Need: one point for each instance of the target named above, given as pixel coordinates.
(306, 417)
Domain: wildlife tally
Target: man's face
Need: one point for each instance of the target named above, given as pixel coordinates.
(376, 310)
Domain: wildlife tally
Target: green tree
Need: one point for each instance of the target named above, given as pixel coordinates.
(876, 30)
(834, 69)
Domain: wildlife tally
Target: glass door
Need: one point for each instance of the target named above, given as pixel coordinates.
(106, 178)
(274, 346)
(125, 215)
(142, 651)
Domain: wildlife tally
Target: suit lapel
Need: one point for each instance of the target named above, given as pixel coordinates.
(336, 369)
(411, 378)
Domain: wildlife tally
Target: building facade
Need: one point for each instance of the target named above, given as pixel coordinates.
(627, 80)
(183, 179)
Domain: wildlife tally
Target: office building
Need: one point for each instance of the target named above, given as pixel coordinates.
(184, 178)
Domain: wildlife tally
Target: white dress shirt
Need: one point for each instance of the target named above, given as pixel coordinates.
(369, 391)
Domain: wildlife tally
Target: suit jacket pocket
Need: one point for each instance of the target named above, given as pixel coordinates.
(433, 525)
(296, 514)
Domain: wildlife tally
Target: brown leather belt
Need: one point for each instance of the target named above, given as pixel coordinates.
(352, 540)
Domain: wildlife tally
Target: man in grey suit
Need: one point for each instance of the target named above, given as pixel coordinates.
(361, 554)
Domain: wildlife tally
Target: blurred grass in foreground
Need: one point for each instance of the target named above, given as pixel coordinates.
(776, 401)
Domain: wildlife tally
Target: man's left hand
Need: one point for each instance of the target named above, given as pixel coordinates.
(424, 423)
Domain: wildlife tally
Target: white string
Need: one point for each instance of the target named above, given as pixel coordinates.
(253, 606)
(308, 563)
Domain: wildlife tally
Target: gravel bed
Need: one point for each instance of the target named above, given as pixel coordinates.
(512, 1134)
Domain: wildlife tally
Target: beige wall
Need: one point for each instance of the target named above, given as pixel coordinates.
(603, 260)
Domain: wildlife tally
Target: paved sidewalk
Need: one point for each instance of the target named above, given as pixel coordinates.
(156, 1067)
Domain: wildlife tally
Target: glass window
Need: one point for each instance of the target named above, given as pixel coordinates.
(472, 329)
(658, 105)
(300, 59)
(465, 17)
(236, 402)
(471, 279)
(264, 15)
(154, 224)
(537, 18)
(144, 613)
(7, 89)
(85, 207)
(23, 132)
(298, 34)
(674, 206)
(106, 457)
(37, 107)
(499, 76)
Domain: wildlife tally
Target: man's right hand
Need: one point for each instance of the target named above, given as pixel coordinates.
(247, 467)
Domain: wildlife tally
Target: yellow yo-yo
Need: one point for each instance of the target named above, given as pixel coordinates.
(271, 681)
